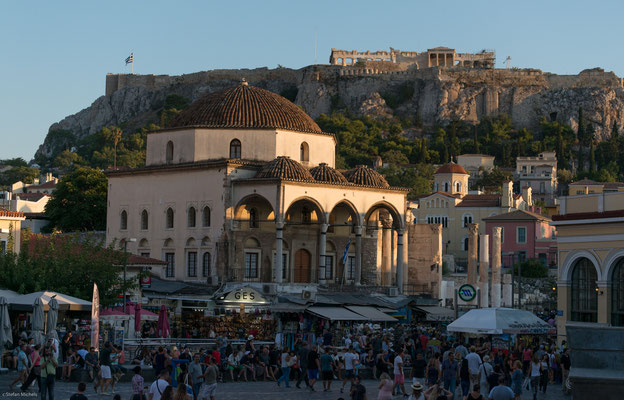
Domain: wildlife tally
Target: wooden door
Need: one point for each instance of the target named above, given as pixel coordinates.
(302, 266)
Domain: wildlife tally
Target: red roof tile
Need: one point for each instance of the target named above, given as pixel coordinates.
(480, 200)
(11, 214)
(31, 196)
(451, 168)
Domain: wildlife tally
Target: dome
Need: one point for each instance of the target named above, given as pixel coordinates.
(245, 106)
(362, 175)
(285, 168)
(325, 173)
(451, 168)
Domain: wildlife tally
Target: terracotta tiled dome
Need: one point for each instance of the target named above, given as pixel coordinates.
(325, 173)
(451, 168)
(285, 168)
(362, 175)
(245, 106)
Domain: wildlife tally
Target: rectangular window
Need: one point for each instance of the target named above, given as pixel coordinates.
(145, 255)
(542, 187)
(3, 246)
(170, 259)
(284, 264)
(521, 237)
(251, 265)
(522, 256)
(329, 267)
(191, 264)
(502, 235)
(350, 268)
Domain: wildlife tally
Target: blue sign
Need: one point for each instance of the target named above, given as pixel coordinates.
(559, 313)
(467, 292)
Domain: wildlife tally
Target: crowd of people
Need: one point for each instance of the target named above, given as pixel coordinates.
(420, 363)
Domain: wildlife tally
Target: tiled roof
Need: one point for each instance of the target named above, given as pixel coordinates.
(11, 214)
(519, 215)
(451, 168)
(585, 182)
(31, 196)
(133, 259)
(325, 173)
(480, 200)
(285, 168)
(245, 106)
(47, 185)
(362, 175)
(589, 215)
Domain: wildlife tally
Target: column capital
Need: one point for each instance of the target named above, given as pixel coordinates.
(400, 231)
(473, 229)
(358, 230)
(279, 225)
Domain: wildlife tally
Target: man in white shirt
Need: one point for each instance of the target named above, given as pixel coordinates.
(474, 366)
(159, 385)
(350, 359)
(399, 377)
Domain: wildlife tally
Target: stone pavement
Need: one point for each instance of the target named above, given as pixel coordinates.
(234, 391)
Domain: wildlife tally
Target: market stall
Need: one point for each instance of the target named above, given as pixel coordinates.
(498, 321)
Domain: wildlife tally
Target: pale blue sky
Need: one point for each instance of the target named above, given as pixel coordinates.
(54, 54)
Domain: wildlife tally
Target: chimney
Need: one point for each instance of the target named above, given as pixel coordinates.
(507, 196)
(527, 195)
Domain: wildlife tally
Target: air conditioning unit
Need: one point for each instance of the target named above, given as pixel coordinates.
(308, 295)
(393, 291)
(269, 289)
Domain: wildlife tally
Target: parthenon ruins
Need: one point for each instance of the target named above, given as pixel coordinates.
(436, 57)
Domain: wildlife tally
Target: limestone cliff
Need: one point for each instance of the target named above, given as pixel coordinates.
(436, 94)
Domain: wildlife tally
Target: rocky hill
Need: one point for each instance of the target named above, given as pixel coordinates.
(433, 95)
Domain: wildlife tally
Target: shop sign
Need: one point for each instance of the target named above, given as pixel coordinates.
(499, 342)
(467, 292)
(245, 296)
(146, 279)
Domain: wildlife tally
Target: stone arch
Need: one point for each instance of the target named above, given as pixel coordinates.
(566, 272)
(235, 149)
(583, 292)
(168, 243)
(254, 209)
(252, 243)
(355, 215)
(304, 152)
(144, 220)
(397, 221)
(205, 241)
(143, 243)
(123, 220)
(610, 263)
(298, 205)
(467, 218)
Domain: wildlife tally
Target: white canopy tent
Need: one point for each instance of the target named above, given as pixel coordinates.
(498, 321)
(25, 302)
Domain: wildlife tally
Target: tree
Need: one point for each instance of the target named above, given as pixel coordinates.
(67, 159)
(592, 158)
(492, 181)
(20, 173)
(117, 135)
(69, 264)
(394, 157)
(79, 202)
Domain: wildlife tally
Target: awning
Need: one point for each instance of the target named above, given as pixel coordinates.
(336, 314)
(437, 313)
(498, 321)
(287, 307)
(372, 314)
(387, 310)
(25, 302)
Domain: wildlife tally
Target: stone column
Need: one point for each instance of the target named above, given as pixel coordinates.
(386, 253)
(484, 270)
(322, 248)
(507, 299)
(399, 266)
(436, 249)
(473, 236)
(393, 257)
(496, 267)
(279, 231)
(358, 255)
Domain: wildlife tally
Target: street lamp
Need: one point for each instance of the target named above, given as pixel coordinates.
(125, 265)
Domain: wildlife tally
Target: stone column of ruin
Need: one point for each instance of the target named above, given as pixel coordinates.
(496, 267)
(436, 250)
(507, 300)
(386, 253)
(473, 235)
(484, 270)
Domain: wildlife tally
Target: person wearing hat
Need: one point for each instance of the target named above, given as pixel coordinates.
(417, 392)
(485, 370)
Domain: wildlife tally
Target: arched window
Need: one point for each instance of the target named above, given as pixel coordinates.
(583, 291)
(458, 186)
(123, 224)
(206, 217)
(169, 152)
(206, 265)
(466, 219)
(144, 220)
(446, 187)
(169, 222)
(253, 218)
(235, 149)
(191, 217)
(617, 294)
(304, 152)
(465, 243)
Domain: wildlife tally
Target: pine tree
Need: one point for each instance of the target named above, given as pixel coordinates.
(592, 158)
(580, 135)
(477, 148)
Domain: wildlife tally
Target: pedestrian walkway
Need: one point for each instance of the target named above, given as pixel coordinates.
(241, 390)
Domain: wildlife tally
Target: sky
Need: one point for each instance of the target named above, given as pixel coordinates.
(54, 55)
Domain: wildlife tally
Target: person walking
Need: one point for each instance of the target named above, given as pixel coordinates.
(160, 386)
(433, 370)
(302, 358)
(195, 370)
(565, 370)
(385, 387)
(399, 376)
(34, 371)
(285, 358)
(314, 365)
(474, 365)
(48, 373)
(545, 373)
(517, 377)
(464, 377)
(209, 387)
(138, 384)
(22, 366)
(105, 367)
(418, 369)
(350, 359)
(449, 373)
(536, 373)
(327, 373)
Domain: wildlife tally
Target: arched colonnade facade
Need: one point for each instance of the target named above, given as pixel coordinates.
(311, 225)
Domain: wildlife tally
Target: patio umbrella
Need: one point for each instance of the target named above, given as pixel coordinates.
(52, 319)
(137, 318)
(498, 321)
(6, 336)
(37, 322)
(163, 323)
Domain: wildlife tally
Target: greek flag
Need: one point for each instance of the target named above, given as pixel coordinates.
(346, 253)
(130, 59)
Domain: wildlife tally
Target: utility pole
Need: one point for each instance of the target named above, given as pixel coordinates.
(125, 267)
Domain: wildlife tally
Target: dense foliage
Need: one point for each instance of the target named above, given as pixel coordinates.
(79, 202)
(67, 264)
(531, 269)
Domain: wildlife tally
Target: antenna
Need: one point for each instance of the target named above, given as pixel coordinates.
(508, 62)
